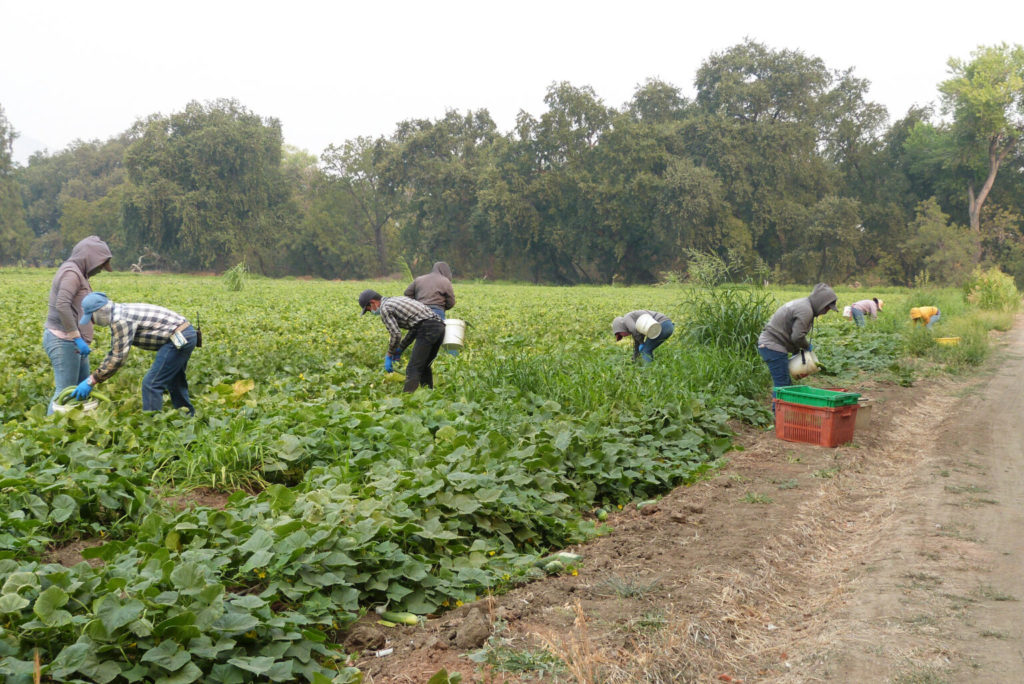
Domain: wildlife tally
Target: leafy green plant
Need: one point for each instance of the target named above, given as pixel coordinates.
(992, 289)
(235, 277)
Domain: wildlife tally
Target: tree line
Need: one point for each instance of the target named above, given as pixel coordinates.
(779, 164)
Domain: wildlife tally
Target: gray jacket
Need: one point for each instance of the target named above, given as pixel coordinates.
(434, 288)
(787, 329)
(71, 284)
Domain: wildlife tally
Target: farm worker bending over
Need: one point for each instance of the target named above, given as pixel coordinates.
(148, 327)
(925, 314)
(434, 289)
(786, 331)
(424, 327)
(871, 307)
(65, 340)
(643, 346)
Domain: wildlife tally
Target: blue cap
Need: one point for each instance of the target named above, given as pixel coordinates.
(93, 301)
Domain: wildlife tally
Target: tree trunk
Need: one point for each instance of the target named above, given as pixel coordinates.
(974, 203)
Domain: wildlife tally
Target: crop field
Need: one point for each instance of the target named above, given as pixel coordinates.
(340, 493)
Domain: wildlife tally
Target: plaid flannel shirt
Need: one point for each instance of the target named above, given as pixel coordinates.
(403, 312)
(143, 325)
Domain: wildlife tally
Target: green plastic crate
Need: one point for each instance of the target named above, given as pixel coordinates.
(812, 396)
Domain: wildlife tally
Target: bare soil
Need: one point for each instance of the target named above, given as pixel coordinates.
(897, 557)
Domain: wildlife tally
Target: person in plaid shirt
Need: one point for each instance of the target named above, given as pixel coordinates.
(424, 326)
(150, 327)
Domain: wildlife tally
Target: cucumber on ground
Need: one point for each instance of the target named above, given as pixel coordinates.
(399, 618)
(554, 567)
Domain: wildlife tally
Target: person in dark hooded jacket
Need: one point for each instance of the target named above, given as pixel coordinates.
(434, 289)
(786, 331)
(65, 340)
(643, 347)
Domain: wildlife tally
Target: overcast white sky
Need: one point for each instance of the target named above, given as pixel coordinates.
(332, 70)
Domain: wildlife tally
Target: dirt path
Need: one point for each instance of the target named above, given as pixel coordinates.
(939, 597)
(899, 557)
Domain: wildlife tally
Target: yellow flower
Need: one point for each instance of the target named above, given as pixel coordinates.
(458, 603)
(445, 603)
(491, 553)
(575, 572)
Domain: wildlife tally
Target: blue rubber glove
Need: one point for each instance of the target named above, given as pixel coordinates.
(83, 390)
(83, 348)
(640, 348)
(453, 351)
(810, 346)
(397, 356)
(388, 367)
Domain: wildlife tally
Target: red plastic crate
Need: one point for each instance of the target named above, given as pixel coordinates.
(823, 425)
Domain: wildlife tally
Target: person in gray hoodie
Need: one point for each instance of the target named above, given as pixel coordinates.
(434, 289)
(65, 340)
(786, 332)
(643, 347)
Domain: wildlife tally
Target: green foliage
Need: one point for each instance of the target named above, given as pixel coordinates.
(729, 317)
(945, 252)
(235, 277)
(992, 289)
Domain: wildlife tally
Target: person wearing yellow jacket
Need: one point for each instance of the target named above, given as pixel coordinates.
(925, 314)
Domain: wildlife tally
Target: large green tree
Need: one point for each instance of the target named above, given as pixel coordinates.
(14, 232)
(985, 96)
(359, 169)
(204, 186)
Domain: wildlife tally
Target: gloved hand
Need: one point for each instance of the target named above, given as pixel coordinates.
(397, 356)
(83, 390)
(453, 351)
(810, 346)
(83, 348)
(388, 364)
(640, 348)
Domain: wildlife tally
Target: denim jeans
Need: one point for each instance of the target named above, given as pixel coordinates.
(858, 316)
(168, 373)
(778, 366)
(69, 366)
(647, 355)
(439, 311)
(934, 318)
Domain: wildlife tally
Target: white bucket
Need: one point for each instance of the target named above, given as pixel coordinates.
(647, 326)
(454, 333)
(84, 407)
(803, 364)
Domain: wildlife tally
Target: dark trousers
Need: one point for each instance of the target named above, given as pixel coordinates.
(429, 335)
(168, 373)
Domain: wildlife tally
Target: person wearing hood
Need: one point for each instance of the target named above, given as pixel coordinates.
(65, 340)
(925, 314)
(434, 289)
(643, 347)
(150, 327)
(786, 331)
(424, 326)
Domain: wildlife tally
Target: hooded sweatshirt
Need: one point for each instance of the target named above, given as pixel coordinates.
(434, 288)
(787, 329)
(71, 284)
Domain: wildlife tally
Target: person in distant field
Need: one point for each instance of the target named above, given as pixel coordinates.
(786, 331)
(866, 307)
(925, 314)
(643, 347)
(424, 326)
(65, 340)
(150, 327)
(434, 289)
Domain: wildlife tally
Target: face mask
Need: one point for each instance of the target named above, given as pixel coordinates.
(377, 312)
(101, 316)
